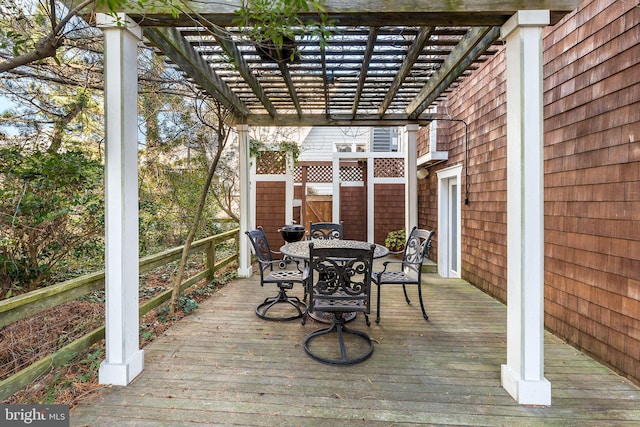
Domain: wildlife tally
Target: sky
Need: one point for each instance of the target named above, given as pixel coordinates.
(5, 104)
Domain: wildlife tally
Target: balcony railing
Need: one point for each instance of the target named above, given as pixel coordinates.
(35, 302)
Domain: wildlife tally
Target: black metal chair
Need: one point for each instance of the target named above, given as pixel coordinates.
(409, 270)
(325, 230)
(339, 282)
(284, 273)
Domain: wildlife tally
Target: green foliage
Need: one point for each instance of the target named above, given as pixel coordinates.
(187, 303)
(50, 207)
(163, 313)
(168, 205)
(257, 147)
(52, 391)
(64, 115)
(290, 147)
(396, 240)
(274, 24)
(92, 363)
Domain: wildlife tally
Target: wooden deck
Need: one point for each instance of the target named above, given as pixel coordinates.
(225, 366)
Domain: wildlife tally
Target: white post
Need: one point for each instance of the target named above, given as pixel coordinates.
(335, 199)
(289, 192)
(124, 359)
(246, 210)
(411, 180)
(523, 374)
(371, 205)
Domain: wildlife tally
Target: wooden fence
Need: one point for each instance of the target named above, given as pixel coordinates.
(29, 304)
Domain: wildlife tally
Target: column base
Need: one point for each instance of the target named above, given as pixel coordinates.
(245, 272)
(121, 374)
(526, 392)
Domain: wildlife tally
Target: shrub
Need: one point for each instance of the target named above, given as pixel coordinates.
(396, 240)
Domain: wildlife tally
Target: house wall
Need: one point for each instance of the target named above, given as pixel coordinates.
(591, 184)
(319, 143)
(270, 210)
(388, 200)
(353, 212)
(427, 194)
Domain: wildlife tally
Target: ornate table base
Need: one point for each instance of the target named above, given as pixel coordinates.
(325, 317)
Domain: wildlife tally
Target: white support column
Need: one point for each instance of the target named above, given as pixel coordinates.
(246, 210)
(411, 180)
(371, 205)
(124, 359)
(289, 190)
(335, 200)
(523, 375)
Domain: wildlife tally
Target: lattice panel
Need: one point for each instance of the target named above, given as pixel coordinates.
(388, 168)
(319, 173)
(272, 162)
(352, 173)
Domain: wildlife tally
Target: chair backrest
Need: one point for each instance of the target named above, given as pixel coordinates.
(325, 230)
(416, 250)
(260, 245)
(340, 278)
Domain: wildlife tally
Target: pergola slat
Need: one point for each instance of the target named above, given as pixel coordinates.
(175, 46)
(373, 34)
(476, 41)
(412, 55)
(377, 49)
(232, 50)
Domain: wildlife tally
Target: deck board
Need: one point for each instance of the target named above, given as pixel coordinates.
(225, 366)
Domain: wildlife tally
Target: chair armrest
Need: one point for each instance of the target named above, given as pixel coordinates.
(386, 264)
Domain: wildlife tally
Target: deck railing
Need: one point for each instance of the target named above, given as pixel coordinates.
(32, 303)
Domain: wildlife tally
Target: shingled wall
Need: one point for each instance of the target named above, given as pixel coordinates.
(592, 180)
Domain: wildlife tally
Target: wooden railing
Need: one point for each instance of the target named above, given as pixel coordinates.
(29, 304)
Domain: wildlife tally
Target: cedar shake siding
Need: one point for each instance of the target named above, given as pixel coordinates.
(591, 182)
(270, 210)
(388, 200)
(353, 212)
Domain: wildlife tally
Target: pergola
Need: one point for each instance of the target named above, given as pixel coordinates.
(386, 63)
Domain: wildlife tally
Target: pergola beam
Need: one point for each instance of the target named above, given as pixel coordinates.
(372, 12)
(325, 78)
(412, 55)
(371, 40)
(286, 76)
(231, 49)
(473, 45)
(390, 120)
(180, 51)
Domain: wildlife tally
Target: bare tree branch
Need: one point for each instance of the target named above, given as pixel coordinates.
(47, 46)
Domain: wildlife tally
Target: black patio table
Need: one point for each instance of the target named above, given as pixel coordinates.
(300, 250)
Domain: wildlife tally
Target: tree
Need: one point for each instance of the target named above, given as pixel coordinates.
(28, 46)
(211, 115)
(50, 207)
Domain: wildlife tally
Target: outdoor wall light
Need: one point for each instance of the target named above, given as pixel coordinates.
(422, 173)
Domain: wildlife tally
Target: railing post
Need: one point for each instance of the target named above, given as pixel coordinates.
(211, 258)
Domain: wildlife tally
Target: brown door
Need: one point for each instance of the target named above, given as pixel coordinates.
(318, 209)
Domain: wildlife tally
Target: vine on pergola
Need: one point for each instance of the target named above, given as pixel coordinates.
(274, 24)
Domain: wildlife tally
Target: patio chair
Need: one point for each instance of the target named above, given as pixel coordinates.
(283, 273)
(409, 270)
(339, 282)
(325, 230)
